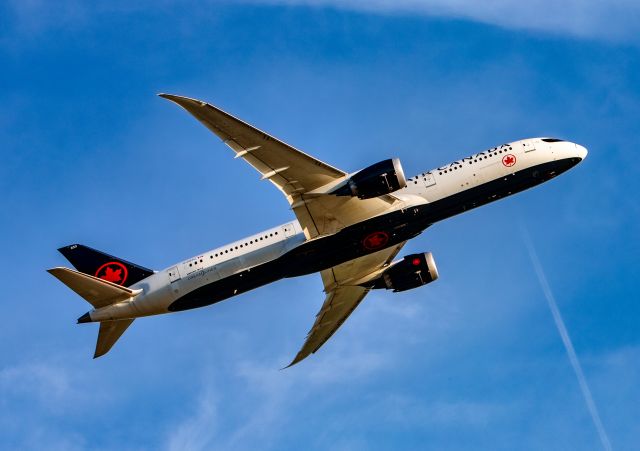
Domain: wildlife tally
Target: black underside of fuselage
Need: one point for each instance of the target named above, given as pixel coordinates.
(399, 226)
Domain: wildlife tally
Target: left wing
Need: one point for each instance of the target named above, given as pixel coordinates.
(344, 294)
(292, 171)
(288, 168)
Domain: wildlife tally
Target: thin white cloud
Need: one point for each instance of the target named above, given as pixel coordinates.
(197, 431)
(275, 395)
(31, 16)
(566, 340)
(272, 395)
(46, 384)
(33, 394)
(611, 20)
(615, 19)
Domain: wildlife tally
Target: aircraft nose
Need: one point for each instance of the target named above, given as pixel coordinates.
(581, 151)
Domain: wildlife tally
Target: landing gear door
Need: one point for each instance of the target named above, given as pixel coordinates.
(174, 274)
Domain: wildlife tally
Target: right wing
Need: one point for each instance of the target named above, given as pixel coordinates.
(293, 172)
(336, 308)
(344, 294)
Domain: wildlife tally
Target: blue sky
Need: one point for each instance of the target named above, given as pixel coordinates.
(473, 361)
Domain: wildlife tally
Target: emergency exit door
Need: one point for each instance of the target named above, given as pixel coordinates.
(174, 274)
(288, 230)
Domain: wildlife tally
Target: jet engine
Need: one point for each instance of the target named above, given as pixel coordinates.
(412, 271)
(376, 180)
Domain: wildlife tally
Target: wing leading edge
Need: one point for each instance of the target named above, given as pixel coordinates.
(288, 168)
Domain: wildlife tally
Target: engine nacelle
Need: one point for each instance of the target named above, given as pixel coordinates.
(378, 179)
(412, 271)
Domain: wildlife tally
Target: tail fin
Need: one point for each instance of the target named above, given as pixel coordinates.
(109, 333)
(99, 293)
(104, 266)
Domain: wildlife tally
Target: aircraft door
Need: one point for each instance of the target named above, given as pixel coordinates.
(174, 274)
(428, 179)
(288, 230)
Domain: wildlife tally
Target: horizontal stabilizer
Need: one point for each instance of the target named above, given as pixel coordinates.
(109, 333)
(95, 291)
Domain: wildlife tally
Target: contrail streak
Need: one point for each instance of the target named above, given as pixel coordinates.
(562, 330)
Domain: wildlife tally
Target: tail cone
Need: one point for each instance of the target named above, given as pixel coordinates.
(86, 318)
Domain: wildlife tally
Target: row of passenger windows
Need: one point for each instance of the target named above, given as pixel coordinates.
(493, 153)
(246, 244)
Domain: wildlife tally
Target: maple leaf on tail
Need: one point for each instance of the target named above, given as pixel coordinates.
(111, 275)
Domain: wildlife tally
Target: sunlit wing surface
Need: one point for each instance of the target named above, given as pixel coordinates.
(293, 172)
(97, 292)
(286, 167)
(344, 294)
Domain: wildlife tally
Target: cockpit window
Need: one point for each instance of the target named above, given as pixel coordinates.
(552, 140)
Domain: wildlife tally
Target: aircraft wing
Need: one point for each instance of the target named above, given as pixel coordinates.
(293, 172)
(344, 294)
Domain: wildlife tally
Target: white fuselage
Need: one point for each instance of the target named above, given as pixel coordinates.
(164, 287)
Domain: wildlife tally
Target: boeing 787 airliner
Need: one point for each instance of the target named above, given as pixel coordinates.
(349, 227)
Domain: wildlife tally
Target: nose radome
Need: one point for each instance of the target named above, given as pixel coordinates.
(582, 151)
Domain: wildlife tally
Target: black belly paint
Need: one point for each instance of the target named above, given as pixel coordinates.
(319, 254)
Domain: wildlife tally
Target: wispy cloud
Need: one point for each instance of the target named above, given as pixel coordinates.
(31, 16)
(276, 397)
(272, 394)
(46, 384)
(612, 20)
(198, 430)
(566, 340)
(616, 19)
(34, 395)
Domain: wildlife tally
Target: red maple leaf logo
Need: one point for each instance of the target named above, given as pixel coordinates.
(375, 240)
(509, 160)
(111, 275)
(114, 272)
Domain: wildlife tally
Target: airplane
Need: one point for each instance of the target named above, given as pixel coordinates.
(349, 227)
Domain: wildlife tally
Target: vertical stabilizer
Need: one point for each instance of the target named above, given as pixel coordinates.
(104, 266)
